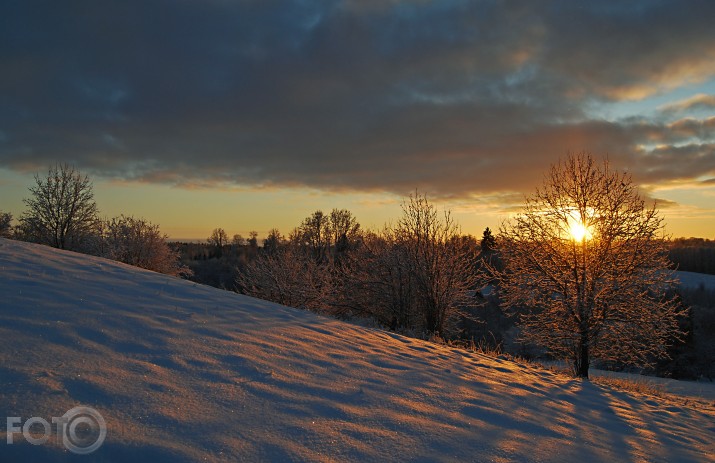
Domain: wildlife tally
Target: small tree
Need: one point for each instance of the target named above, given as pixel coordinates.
(5, 224)
(61, 211)
(586, 268)
(327, 237)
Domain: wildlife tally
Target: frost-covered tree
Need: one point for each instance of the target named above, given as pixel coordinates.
(61, 210)
(286, 275)
(380, 283)
(5, 224)
(440, 260)
(586, 268)
(419, 274)
(140, 243)
(303, 269)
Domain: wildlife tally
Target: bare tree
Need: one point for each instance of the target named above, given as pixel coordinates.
(5, 224)
(253, 240)
(343, 229)
(586, 268)
(61, 211)
(327, 236)
(419, 274)
(314, 234)
(218, 238)
(442, 264)
(273, 241)
(301, 270)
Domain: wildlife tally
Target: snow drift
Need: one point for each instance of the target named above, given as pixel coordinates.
(183, 372)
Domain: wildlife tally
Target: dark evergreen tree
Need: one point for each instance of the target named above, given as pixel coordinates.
(489, 243)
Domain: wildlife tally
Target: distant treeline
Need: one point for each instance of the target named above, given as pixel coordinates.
(219, 264)
(693, 255)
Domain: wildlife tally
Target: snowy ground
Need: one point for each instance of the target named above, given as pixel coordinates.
(702, 391)
(696, 280)
(183, 372)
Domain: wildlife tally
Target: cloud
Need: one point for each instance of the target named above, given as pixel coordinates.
(689, 128)
(629, 50)
(456, 98)
(660, 203)
(686, 164)
(699, 101)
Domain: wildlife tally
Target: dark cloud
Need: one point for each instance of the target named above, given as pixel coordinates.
(679, 163)
(691, 128)
(454, 97)
(628, 50)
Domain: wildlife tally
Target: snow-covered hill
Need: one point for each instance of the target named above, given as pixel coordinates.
(183, 372)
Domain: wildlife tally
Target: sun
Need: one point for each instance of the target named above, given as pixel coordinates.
(579, 232)
(577, 229)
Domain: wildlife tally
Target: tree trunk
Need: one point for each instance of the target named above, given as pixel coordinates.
(582, 361)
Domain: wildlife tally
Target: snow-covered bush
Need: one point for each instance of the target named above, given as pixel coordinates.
(138, 242)
(288, 276)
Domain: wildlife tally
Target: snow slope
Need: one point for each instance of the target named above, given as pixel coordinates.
(694, 280)
(183, 372)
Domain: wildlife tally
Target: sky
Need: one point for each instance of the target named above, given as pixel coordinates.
(252, 114)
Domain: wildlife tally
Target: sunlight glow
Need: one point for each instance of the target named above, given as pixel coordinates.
(577, 229)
